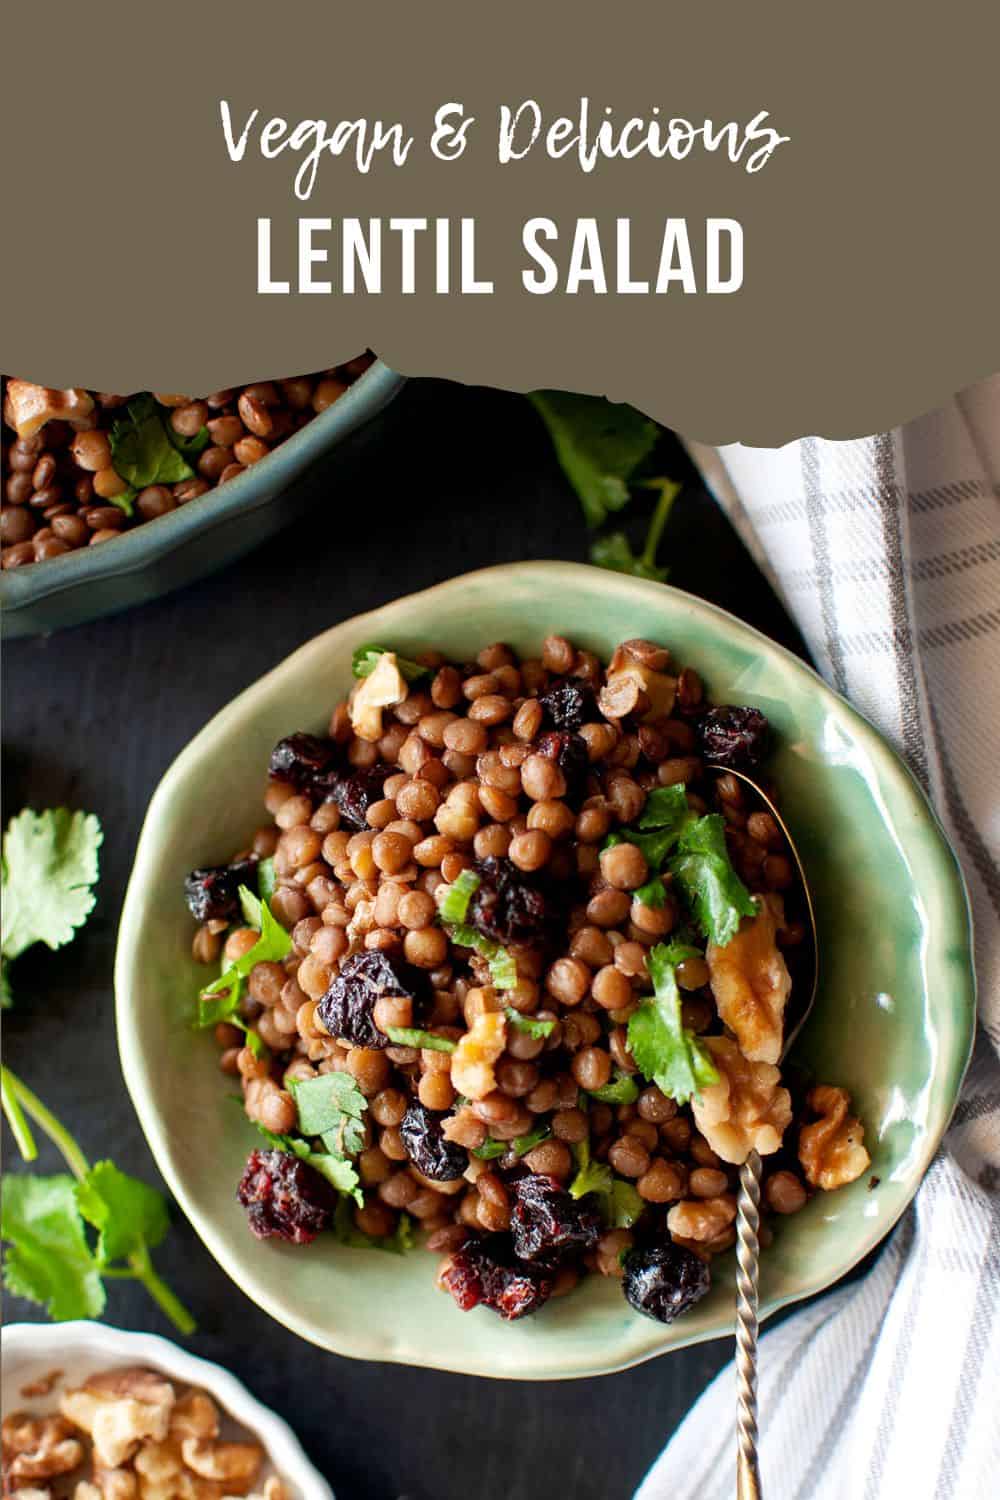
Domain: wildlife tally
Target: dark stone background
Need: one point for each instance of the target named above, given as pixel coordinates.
(458, 479)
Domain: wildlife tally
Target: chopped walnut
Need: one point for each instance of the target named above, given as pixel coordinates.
(43, 1386)
(384, 687)
(634, 686)
(831, 1149)
(160, 1469)
(83, 1491)
(195, 1415)
(116, 1484)
(38, 1448)
(747, 1110)
(32, 1492)
(472, 1060)
(701, 1220)
(27, 407)
(120, 1408)
(751, 982)
(236, 1465)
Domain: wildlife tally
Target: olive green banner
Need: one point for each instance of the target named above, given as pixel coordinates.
(752, 222)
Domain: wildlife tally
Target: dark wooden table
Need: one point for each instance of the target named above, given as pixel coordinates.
(92, 718)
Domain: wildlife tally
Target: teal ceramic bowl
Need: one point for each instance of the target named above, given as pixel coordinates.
(200, 537)
(893, 1021)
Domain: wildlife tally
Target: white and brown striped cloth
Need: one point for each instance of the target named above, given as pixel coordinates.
(886, 551)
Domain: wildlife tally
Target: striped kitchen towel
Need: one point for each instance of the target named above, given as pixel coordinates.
(886, 551)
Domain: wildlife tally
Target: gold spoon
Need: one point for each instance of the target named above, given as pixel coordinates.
(748, 1205)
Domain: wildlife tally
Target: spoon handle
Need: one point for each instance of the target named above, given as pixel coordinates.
(748, 1264)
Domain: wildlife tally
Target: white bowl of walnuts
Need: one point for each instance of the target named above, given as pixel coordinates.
(95, 1413)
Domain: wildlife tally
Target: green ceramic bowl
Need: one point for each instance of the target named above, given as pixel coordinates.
(893, 1022)
(200, 537)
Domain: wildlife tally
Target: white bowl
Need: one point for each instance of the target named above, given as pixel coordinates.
(32, 1350)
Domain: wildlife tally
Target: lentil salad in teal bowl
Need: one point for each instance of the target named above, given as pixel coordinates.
(605, 1036)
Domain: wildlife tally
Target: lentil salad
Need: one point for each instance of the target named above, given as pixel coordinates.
(510, 965)
(84, 466)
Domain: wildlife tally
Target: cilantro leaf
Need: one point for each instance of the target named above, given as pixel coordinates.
(592, 1177)
(125, 501)
(704, 874)
(529, 1025)
(190, 447)
(454, 905)
(331, 1106)
(409, 1036)
(667, 807)
(266, 879)
(599, 444)
(142, 452)
(654, 846)
(621, 1204)
(347, 1234)
(623, 1089)
(338, 1171)
(489, 1149)
(653, 893)
(665, 1051)
(126, 1212)
(48, 1259)
(614, 552)
(49, 866)
(366, 658)
(626, 1204)
(503, 969)
(273, 945)
(524, 1143)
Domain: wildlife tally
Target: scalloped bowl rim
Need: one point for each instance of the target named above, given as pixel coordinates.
(382, 1345)
(85, 1341)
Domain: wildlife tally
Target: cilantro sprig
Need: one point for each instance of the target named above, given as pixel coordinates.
(50, 1258)
(503, 969)
(145, 449)
(220, 1000)
(47, 874)
(620, 1203)
(332, 1107)
(366, 659)
(664, 1049)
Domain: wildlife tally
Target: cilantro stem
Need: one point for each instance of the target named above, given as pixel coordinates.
(20, 1129)
(46, 1122)
(668, 494)
(19, 1100)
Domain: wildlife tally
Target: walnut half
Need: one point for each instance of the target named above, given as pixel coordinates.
(28, 407)
(38, 1448)
(751, 983)
(831, 1149)
(472, 1060)
(747, 1110)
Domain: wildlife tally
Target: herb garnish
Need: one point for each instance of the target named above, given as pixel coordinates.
(503, 969)
(397, 1243)
(366, 659)
(529, 1025)
(623, 1089)
(50, 1259)
(331, 1106)
(664, 1050)
(336, 1169)
(621, 1204)
(409, 1036)
(47, 874)
(703, 871)
(144, 448)
(219, 1001)
(454, 907)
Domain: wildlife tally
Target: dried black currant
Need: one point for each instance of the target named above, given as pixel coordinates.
(302, 760)
(355, 793)
(663, 1281)
(734, 737)
(346, 1008)
(439, 1159)
(546, 1224)
(510, 906)
(285, 1198)
(213, 895)
(568, 703)
(484, 1271)
(569, 751)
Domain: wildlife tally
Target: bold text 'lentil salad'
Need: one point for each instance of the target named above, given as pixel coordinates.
(84, 466)
(509, 965)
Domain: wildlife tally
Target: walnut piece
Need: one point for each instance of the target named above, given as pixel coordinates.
(747, 1110)
(701, 1219)
(119, 1409)
(634, 686)
(751, 983)
(236, 1465)
(195, 1415)
(38, 1448)
(116, 1484)
(473, 1058)
(831, 1149)
(384, 687)
(27, 407)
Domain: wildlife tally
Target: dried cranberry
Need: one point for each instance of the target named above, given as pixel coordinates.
(569, 702)
(439, 1159)
(214, 894)
(346, 1008)
(302, 760)
(510, 906)
(663, 1281)
(734, 737)
(286, 1198)
(546, 1224)
(569, 751)
(485, 1271)
(354, 794)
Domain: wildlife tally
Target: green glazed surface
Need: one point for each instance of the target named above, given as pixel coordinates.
(893, 1021)
(196, 539)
